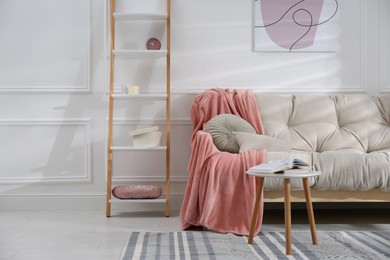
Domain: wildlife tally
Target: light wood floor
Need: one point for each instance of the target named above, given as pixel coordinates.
(90, 235)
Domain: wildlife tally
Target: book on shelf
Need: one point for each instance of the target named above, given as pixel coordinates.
(280, 166)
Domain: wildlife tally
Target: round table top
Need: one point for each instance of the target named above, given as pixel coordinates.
(289, 174)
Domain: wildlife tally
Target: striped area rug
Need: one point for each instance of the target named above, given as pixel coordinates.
(267, 245)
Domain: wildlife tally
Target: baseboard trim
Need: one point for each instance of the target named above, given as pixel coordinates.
(89, 202)
(76, 203)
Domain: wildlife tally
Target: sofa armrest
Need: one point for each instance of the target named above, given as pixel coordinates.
(202, 147)
(218, 186)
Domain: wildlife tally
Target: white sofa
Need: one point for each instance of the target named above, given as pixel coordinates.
(346, 137)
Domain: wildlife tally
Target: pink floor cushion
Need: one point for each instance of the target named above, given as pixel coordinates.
(137, 192)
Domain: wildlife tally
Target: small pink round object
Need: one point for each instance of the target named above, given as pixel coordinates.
(137, 192)
(153, 44)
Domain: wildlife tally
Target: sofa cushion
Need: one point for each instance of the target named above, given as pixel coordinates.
(249, 141)
(221, 128)
(352, 170)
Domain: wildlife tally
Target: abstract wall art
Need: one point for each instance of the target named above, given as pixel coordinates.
(295, 25)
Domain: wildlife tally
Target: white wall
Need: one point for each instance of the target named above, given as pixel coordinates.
(53, 93)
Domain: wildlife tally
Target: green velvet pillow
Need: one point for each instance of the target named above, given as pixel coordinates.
(249, 141)
(221, 128)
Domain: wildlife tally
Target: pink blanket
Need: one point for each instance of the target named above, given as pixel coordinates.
(219, 194)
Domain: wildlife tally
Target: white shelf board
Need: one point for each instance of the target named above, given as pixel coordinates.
(141, 53)
(149, 96)
(115, 200)
(135, 148)
(141, 16)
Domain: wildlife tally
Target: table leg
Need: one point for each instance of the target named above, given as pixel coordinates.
(256, 209)
(310, 213)
(287, 214)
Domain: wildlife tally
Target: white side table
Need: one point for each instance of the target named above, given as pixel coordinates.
(287, 202)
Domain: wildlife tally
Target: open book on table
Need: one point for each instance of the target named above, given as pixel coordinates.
(279, 166)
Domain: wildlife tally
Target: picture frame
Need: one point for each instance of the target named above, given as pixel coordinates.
(295, 26)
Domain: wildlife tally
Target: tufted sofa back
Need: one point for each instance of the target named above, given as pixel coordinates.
(346, 137)
(319, 123)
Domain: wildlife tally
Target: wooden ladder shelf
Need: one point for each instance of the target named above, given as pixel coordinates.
(165, 97)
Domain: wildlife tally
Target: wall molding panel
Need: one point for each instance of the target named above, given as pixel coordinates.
(54, 88)
(70, 73)
(332, 89)
(62, 150)
(149, 179)
(384, 49)
(364, 52)
(150, 121)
